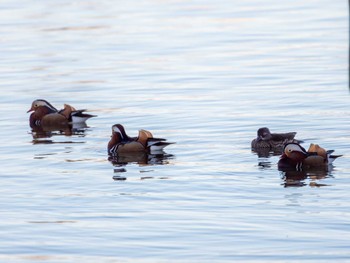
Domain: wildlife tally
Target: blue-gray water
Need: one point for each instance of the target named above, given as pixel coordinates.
(204, 74)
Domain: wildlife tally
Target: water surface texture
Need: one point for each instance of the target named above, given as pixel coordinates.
(204, 74)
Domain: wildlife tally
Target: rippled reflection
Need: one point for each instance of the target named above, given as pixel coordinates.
(267, 152)
(295, 178)
(142, 159)
(41, 133)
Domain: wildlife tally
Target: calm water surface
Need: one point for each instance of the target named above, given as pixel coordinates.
(204, 74)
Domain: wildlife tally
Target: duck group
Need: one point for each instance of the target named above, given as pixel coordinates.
(45, 115)
(293, 156)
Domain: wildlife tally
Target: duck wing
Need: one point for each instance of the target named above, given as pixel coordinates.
(283, 136)
(79, 116)
(157, 144)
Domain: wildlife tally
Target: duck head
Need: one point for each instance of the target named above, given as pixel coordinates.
(118, 129)
(41, 103)
(295, 152)
(264, 134)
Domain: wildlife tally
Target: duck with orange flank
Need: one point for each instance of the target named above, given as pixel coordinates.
(295, 156)
(44, 114)
(120, 142)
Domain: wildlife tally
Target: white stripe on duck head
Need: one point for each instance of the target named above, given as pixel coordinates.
(41, 102)
(118, 128)
(290, 147)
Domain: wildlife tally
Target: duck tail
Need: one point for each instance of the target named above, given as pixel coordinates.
(331, 158)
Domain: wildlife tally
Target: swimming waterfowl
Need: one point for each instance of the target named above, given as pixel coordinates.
(44, 114)
(267, 140)
(120, 142)
(295, 156)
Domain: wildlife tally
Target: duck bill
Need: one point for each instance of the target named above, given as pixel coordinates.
(31, 109)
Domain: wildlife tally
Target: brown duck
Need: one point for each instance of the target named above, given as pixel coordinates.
(295, 156)
(44, 114)
(120, 142)
(267, 140)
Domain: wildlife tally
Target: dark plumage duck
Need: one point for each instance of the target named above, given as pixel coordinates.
(267, 140)
(296, 157)
(120, 142)
(44, 114)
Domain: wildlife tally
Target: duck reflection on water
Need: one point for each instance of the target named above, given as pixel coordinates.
(264, 155)
(142, 159)
(42, 133)
(299, 178)
(266, 152)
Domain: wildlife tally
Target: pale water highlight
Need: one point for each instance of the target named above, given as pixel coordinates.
(203, 74)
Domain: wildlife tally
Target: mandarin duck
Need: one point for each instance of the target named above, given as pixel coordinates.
(44, 114)
(267, 140)
(120, 142)
(295, 156)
